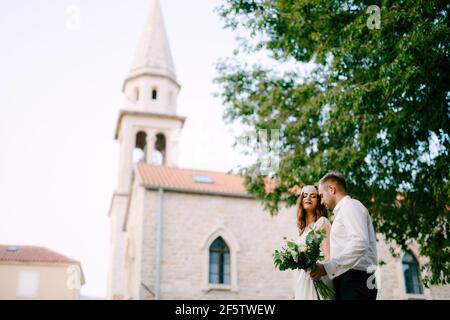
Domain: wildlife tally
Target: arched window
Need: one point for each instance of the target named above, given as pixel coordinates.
(159, 155)
(154, 94)
(140, 147)
(219, 262)
(411, 274)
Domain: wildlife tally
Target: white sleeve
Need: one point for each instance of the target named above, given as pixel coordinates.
(354, 219)
(321, 223)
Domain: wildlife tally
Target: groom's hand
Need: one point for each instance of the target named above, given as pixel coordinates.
(318, 273)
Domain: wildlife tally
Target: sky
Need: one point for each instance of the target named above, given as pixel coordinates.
(60, 94)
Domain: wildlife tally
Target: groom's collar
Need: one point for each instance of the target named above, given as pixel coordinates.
(339, 204)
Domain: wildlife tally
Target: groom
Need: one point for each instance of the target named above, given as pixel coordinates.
(353, 251)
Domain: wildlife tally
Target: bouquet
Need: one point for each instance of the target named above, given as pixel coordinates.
(304, 256)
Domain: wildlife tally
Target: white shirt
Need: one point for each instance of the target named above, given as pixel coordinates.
(352, 239)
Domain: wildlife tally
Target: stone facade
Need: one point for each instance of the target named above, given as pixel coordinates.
(116, 281)
(190, 223)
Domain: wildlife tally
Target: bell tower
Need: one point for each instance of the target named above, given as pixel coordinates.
(147, 128)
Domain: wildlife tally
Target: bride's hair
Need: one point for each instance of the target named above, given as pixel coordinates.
(321, 211)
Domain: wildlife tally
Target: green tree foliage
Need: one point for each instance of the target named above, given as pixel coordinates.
(375, 107)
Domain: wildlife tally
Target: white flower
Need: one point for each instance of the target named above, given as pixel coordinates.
(295, 256)
(301, 241)
(302, 248)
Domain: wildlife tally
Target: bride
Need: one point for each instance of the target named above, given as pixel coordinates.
(311, 214)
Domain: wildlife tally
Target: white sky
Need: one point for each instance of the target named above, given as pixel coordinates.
(60, 92)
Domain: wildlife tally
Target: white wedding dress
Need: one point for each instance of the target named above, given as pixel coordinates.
(304, 285)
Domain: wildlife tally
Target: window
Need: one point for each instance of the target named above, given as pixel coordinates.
(12, 249)
(201, 178)
(170, 98)
(220, 250)
(154, 94)
(140, 147)
(159, 153)
(28, 284)
(136, 94)
(219, 262)
(411, 274)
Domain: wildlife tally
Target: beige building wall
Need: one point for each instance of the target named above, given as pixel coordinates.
(134, 244)
(117, 247)
(54, 281)
(191, 223)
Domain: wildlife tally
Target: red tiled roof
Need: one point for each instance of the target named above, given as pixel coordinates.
(32, 254)
(182, 179)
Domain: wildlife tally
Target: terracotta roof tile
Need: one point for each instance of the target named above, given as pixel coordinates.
(31, 254)
(183, 179)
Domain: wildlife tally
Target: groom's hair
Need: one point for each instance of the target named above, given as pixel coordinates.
(337, 178)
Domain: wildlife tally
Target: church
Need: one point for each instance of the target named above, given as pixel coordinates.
(180, 233)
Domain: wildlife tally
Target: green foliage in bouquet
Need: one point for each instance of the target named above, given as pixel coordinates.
(300, 256)
(304, 256)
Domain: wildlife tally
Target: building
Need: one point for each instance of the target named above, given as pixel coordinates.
(28, 272)
(178, 233)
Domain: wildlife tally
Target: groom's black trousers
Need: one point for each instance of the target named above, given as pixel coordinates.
(353, 285)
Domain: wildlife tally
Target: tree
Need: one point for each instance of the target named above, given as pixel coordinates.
(375, 107)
